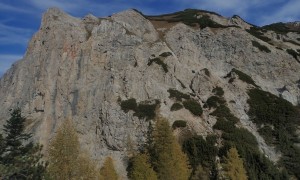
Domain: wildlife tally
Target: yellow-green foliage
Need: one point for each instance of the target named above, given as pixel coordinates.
(169, 161)
(108, 171)
(141, 168)
(65, 159)
(233, 166)
(200, 173)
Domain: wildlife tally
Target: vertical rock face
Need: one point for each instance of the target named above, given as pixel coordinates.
(82, 68)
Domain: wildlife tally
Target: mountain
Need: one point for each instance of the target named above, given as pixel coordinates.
(111, 75)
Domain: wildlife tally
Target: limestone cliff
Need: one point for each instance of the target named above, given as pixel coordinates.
(82, 68)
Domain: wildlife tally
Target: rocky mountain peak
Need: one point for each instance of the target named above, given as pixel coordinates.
(88, 69)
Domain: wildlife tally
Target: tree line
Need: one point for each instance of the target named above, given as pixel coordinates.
(161, 158)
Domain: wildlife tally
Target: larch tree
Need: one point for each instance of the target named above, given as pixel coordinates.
(233, 166)
(108, 170)
(141, 168)
(169, 161)
(66, 161)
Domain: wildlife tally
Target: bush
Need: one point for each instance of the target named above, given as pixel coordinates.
(129, 104)
(244, 77)
(268, 109)
(177, 95)
(141, 110)
(193, 106)
(223, 112)
(165, 54)
(146, 110)
(206, 72)
(214, 101)
(293, 53)
(279, 28)
(261, 47)
(179, 124)
(176, 107)
(159, 62)
(256, 32)
(218, 91)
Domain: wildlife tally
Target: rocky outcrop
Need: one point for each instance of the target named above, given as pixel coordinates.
(82, 68)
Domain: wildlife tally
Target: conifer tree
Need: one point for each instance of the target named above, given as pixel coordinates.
(65, 158)
(19, 157)
(169, 161)
(108, 171)
(141, 168)
(233, 166)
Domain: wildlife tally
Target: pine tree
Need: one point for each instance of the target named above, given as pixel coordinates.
(141, 168)
(65, 158)
(169, 161)
(233, 166)
(19, 157)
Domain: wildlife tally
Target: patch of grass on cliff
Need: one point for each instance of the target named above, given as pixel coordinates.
(176, 106)
(244, 77)
(177, 95)
(179, 124)
(261, 47)
(159, 62)
(268, 109)
(193, 106)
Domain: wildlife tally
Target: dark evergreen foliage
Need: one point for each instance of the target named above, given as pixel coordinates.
(261, 47)
(244, 77)
(176, 107)
(193, 106)
(177, 95)
(19, 157)
(266, 110)
(179, 124)
(159, 62)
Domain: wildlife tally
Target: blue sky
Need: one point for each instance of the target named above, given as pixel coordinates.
(20, 19)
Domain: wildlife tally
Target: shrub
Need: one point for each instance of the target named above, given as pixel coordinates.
(179, 124)
(141, 110)
(214, 101)
(279, 28)
(146, 110)
(129, 104)
(206, 72)
(223, 112)
(165, 54)
(159, 62)
(244, 77)
(193, 106)
(261, 47)
(177, 95)
(293, 53)
(256, 32)
(218, 91)
(176, 107)
(268, 109)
